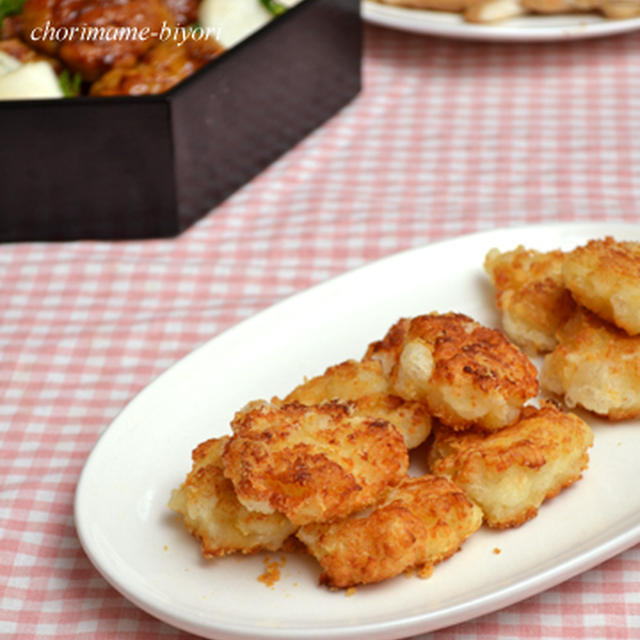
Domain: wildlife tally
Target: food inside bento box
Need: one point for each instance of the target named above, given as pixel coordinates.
(67, 48)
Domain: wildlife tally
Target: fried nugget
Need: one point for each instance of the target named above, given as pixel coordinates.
(604, 276)
(531, 295)
(364, 384)
(465, 373)
(314, 463)
(211, 512)
(420, 522)
(510, 473)
(595, 366)
(387, 351)
(345, 381)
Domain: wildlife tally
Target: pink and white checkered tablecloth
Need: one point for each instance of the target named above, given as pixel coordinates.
(447, 138)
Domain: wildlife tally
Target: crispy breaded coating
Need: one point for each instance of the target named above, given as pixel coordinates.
(410, 418)
(509, 473)
(420, 522)
(595, 366)
(604, 276)
(315, 463)
(364, 384)
(387, 351)
(465, 373)
(530, 295)
(212, 514)
(345, 381)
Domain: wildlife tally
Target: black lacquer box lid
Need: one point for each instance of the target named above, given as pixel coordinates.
(150, 166)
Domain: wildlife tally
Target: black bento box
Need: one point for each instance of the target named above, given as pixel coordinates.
(150, 166)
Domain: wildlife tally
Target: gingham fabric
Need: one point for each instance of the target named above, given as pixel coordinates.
(447, 138)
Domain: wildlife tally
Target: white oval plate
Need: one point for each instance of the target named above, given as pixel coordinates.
(136, 543)
(532, 28)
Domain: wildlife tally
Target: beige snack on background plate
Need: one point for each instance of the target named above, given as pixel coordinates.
(510, 473)
(531, 295)
(595, 366)
(604, 276)
(435, 5)
(421, 522)
(312, 464)
(493, 11)
(364, 384)
(211, 512)
(465, 373)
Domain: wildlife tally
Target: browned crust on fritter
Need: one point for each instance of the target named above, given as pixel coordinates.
(620, 257)
(313, 463)
(478, 461)
(597, 366)
(211, 512)
(531, 294)
(367, 389)
(465, 349)
(412, 419)
(348, 380)
(387, 351)
(604, 276)
(460, 366)
(419, 523)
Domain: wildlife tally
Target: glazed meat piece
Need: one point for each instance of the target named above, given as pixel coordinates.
(184, 11)
(11, 27)
(311, 463)
(465, 373)
(20, 51)
(160, 69)
(419, 523)
(509, 473)
(365, 386)
(93, 56)
(212, 514)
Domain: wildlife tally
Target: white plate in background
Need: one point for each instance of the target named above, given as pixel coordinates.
(138, 545)
(530, 28)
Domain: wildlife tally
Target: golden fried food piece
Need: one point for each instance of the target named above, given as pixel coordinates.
(465, 373)
(387, 351)
(313, 463)
(419, 523)
(364, 384)
(207, 502)
(531, 295)
(604, 276)
(410, 418)
(510, 473)
(345, 381)
(595, 366)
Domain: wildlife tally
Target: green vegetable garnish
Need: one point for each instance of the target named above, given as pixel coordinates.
(70, 83)
(10, 8)
(274, 7)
